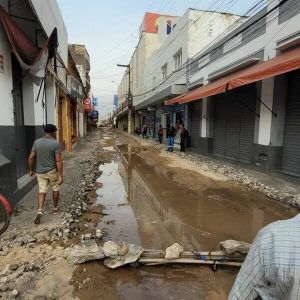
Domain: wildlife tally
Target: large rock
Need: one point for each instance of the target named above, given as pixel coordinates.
(173, 251)
(88, 250)
(133, 254)
(110, 249)
(233, 247)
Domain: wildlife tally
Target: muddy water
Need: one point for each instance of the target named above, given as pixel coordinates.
(151, 204)
(154, 205)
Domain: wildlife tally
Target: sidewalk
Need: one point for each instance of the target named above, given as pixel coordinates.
(26, 208)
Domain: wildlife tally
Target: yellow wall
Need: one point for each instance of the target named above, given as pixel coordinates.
(66, 119)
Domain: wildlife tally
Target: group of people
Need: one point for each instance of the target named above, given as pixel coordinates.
(170, 134)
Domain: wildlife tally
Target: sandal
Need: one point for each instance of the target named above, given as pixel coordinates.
(38, 216)
(55, 211)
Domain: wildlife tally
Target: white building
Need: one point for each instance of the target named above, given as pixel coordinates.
(240, 107)
(163, 73)
(27, 105)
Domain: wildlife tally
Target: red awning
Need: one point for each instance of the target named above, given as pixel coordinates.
(30, 57)
(281, 64)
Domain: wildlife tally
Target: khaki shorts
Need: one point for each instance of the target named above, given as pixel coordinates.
(47, 178)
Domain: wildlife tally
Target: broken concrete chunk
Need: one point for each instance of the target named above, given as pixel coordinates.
(133, 254)
(99, 233)
(88, 250)
(233, 247)
(173, 251)
(110, 249)
(122, 249)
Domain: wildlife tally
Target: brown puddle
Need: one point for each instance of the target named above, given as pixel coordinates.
(153, 205)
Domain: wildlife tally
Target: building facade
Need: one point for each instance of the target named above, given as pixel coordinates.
(253, 120)
(31, 78)
(81, 58)
(162, 73)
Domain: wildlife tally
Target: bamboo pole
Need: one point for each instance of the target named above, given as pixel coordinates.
(160, 261)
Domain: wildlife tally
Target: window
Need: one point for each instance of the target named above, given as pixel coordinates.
(232, 43)
(164, 70)
(178, 59)
(169, 26)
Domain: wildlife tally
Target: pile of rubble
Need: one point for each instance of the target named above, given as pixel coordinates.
(238, 175)
(114, 255)
(15, 277)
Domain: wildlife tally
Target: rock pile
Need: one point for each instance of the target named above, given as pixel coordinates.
(116, 255)
(14, 277)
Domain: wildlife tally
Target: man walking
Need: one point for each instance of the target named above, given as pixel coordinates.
(49, 168)
(171, 132)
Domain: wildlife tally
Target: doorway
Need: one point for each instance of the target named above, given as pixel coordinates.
(19, 118)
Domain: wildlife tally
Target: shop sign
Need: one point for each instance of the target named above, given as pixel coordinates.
(95, 101)
(1, 64)
(167, 109)
(95, 114)
(87, 104)
(74, 87)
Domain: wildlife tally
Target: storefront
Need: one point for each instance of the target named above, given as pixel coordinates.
(291, 140)
(195, 109)
(234, 123)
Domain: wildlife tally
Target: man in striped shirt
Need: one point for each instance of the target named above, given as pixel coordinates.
(272, 267)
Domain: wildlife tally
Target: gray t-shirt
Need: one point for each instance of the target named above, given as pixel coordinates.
(45, 149)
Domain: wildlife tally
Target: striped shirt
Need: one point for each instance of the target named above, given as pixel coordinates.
(272, 267)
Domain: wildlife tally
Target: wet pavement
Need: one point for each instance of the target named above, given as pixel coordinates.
(151, 204)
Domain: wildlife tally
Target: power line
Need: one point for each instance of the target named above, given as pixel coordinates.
(217, 47)
(181, 31)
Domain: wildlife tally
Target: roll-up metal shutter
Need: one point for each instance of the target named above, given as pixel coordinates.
(219, 125)
(195, 122)
(247, 123)
(232, 127)
(291, 138)
(234, 122)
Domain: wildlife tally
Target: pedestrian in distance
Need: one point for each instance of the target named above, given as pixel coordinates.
(171, 132)
(183, 137)
(144, 132)
(272, 267)
(160, 134)
(49, 168)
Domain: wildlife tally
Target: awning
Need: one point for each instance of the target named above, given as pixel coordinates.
(286, 62)
(32, 59)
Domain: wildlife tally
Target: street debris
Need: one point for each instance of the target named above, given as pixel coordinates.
(78, 237)
(87, 251)
(159, 257)
(232, 247)
(173, 251)
(110, 249)
(132, 255)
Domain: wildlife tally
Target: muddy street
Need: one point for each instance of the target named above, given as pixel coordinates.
(153, 199)
(121, 188)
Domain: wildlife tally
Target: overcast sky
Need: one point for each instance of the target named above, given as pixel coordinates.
(109, 29)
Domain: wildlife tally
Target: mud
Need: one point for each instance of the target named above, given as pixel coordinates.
(147, 200)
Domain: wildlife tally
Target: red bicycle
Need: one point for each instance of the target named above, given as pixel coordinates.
(5, 213)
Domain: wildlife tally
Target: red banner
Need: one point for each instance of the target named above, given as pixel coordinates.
(87, 104)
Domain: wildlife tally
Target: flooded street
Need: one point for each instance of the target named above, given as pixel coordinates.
(149, 202)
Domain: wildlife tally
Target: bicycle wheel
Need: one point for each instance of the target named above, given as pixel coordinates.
(4, 217)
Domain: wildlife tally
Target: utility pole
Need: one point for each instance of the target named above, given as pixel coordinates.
(129, 99)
